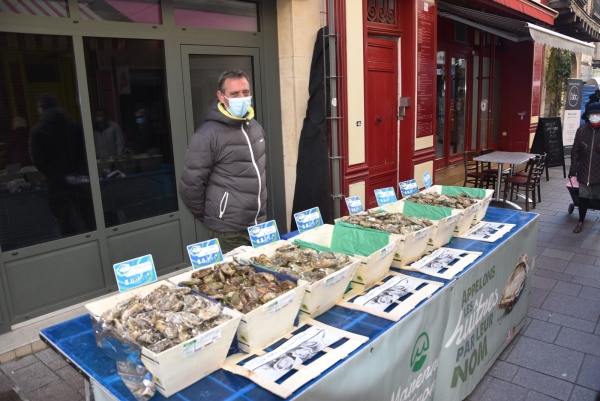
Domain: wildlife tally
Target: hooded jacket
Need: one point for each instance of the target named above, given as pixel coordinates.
(223, 182)
(585, 155)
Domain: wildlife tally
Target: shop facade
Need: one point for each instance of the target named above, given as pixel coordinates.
(151, 69)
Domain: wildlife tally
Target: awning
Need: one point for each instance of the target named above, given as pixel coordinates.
(512, 29)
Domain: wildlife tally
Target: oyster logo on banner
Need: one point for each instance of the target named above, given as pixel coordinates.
(469, 335)
(418, 356)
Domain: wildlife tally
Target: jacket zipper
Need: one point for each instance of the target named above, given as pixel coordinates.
(257, 174)
(221, 207)
(591, 155)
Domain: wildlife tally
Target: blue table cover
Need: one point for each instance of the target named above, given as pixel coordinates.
(75, 340)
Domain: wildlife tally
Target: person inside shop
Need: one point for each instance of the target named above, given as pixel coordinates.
(585, 162)
(145, 138)
(57, 150)
(223, 182)
(108, 136)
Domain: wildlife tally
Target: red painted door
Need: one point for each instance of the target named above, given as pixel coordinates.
(381, 108)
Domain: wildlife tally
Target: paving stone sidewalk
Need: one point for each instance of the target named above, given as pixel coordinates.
(555, 357)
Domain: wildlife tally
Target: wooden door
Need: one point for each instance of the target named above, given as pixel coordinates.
(381, 115)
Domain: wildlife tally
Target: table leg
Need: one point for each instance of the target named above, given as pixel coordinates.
(499, 185)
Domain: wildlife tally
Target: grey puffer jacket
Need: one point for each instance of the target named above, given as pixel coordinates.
(585, 155)
(224, 176)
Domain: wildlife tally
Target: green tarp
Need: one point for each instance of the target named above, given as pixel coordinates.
(312, 245)
(356, 240)
(431, 212)
(472, 192)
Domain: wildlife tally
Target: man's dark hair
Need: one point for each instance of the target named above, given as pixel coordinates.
(234, 74)
(47, 100)
(102, 110)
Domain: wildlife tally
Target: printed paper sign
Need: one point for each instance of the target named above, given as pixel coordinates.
(354, 205)
(385, 196)
(308, 219)
(444, 258)
(408, 188)
(487, 231)
(427, 181)
(205, 253)
(384, 295)
(135, 273)
(264, 233)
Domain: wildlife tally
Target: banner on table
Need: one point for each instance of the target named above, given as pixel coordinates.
(488, 307)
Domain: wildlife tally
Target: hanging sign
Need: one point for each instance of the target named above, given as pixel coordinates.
(308, 219)
(135, 273)
(408, 188)
(572, 116)
(205, 253)
(264, 233)
(427, 181)
(385, 196)
(354, 205)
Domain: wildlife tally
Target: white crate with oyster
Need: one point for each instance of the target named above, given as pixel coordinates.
(372, 268)
(269, 301)
(183, 337)
(327, 273)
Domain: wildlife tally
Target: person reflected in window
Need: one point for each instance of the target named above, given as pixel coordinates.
(17, 142)
(144, 135)
(57, 150)
(108, 137)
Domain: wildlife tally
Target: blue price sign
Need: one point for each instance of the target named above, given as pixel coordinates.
(385, 196)
(408, 188)
(135, 273)
(427, 181)
(308, 219)
(205, 253)
(263, 234)
(354, 205)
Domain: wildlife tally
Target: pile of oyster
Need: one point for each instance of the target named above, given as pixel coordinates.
(395, 223)
(307, 264)
(238, 285)
(164, 318)
(461, 201)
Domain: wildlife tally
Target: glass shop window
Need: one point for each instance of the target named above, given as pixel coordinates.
(132, 135)
(233, 15)
(44, 182)
(138, 11)
(42, 8)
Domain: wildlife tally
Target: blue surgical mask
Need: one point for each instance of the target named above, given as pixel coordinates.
(140, 120)
(238, 106)
(99, 120)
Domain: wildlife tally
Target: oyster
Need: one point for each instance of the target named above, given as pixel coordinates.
(395, 223)
(514, 285)
(461, 201)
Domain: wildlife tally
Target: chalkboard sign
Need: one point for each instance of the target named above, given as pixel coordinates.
(548, 138)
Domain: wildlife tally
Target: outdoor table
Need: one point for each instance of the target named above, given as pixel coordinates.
(418, 355)
(501, 158)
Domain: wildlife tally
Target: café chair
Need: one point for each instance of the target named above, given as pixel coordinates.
(534, 172)
(473, 175)
(541, 160)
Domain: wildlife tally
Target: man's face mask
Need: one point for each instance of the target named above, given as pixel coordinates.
(595, 118)
(140, 120)
(100, 120)
(238, 106)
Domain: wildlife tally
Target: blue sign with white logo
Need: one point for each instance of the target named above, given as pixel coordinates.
(205, 253)
(263, 234)
(385, 196)
(308, 219)
(408, 188)
(135, 273)
(354, 205)
(427, 181)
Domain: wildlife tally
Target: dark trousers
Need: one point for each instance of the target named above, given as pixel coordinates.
(230, 240)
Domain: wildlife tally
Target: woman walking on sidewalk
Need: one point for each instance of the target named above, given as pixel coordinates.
(585, 162)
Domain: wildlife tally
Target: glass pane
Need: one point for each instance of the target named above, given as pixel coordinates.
(457, 106)
(217, 14)
(204, 73)
(475, 102)
(132, 135)
(139, 11)
(485, 96)
(496, 111)
(44, 185)
(441, 93)
(43, 8)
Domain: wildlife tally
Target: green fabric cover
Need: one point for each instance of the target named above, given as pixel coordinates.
(356, 240)
(312, 245)
(472, 192)
(431, 212)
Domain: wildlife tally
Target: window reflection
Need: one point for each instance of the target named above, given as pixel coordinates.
(458, 104)
(233, 15)
(42, 8)
(132, 138)
(441, 94)
(44, 183)
(138, 11)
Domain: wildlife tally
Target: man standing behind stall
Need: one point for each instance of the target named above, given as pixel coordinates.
(108, 137)
(224, 177)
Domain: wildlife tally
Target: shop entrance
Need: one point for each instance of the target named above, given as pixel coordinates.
(381, 114)
(202, 66)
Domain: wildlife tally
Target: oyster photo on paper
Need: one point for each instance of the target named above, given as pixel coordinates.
(514, 285)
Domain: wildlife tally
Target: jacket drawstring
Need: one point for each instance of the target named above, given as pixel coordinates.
(257, 173)
(221, 206)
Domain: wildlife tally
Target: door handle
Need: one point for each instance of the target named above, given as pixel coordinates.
(378, 119)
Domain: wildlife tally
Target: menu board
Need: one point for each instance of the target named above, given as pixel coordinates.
(548, 138)
(426, 69)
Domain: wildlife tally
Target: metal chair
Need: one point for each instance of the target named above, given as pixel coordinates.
(541, 163)
(473, 175)
(534, 172)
